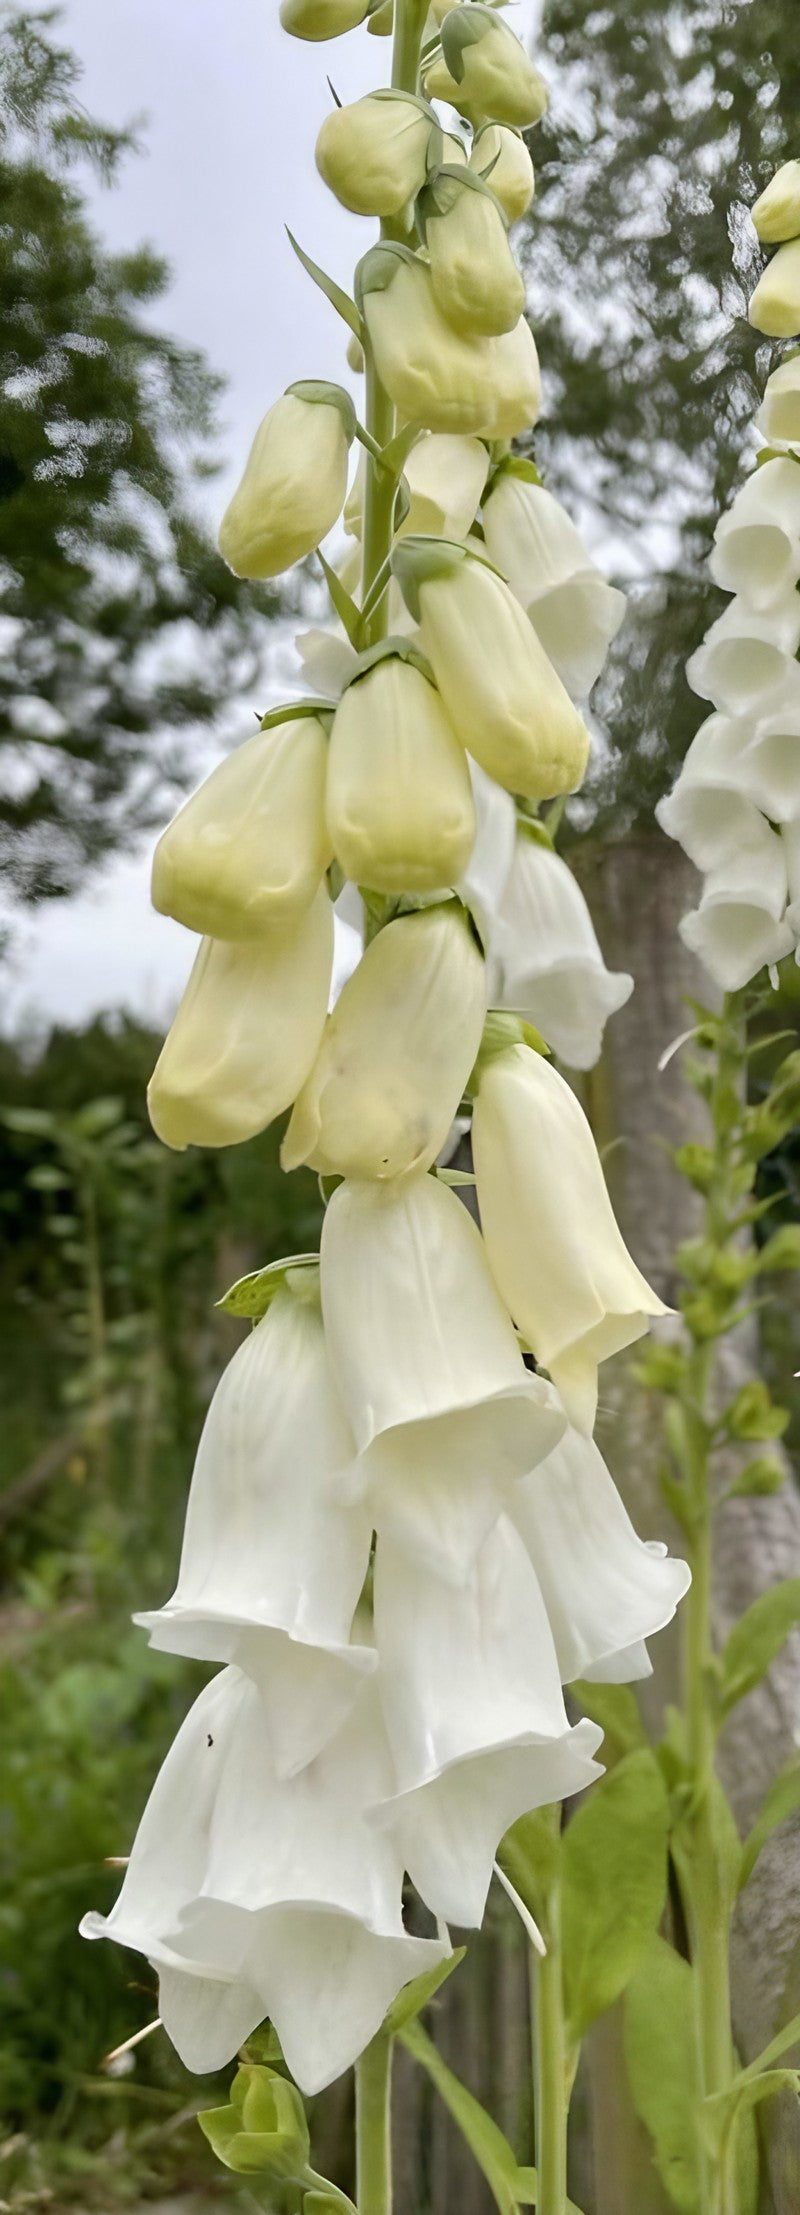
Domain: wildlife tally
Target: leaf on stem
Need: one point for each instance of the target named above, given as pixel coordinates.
(345, 307)
(511, 2187)
(662, 2068)
(349, 615)
(755, 1641)
(614, 1880)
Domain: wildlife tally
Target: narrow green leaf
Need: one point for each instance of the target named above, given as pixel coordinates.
(418, 1994)
(345, 307)
(756, 2089)
(614, 1707)
(250, 1296)
(349, 615)
(614, 1879)
(662, 2068)
(782, 2043)
(294, 711)
(510, 2186)
(756, 1639)
(781, 1800)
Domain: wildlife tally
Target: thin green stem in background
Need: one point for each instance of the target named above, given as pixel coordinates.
(550, 2073)
(374, 2128)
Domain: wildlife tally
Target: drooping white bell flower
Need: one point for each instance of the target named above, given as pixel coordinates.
(605, 1590)
(255, 1896)
(775, 305)
(551, 968)
(294, 482)
(245, 1034)
(251, 845)
(277, 1539)
(710, 810)
(778, 417)
(574, 610)
(474, 1714)
(399, 804)
(756, 550)
(554, 1246)
(482, 884)
(740, 922)
(746, 662)
(396, 1051)
(443, 1410)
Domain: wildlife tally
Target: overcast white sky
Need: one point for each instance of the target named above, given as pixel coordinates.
(232, 107)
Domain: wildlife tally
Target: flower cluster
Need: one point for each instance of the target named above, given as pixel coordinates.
(401, 1541)
(736, 805)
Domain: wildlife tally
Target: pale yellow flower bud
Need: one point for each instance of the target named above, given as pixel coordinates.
(776, 212)
(501, 156)
(775, 304)
(320, 19)
(396, 1052)
(501, 692)
(251, 846)
(294, 482)
(475, 276)
(401, 816)
(372, 154)
(437, 377)
(778, 418)
(381, 22)
(245, 1034)
(485, 72)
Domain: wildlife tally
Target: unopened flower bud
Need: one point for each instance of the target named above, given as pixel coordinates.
(437, 377)
(263, 2127)
(400, 811)
(372, 154)
(487, 71)
(775, 304)
(475, 276)
(396, 1052)
(320, 19)
(251, 846)
(294, 482)
(246, 1033)
(778, 418)
(501, 156)
(500, 691)
(776, 212)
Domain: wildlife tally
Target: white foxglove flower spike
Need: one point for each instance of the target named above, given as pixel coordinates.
(277, 1539)
(443, 1409)
(756, 551)
(574, 610)
(554, 1246)
(251, 846)
(396, 1052)
(551, 969)
(474, 1714)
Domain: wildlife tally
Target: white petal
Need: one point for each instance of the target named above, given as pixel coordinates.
(746, 661)
(207, 2019)
(630, 1666)
(734, 939)
(757, 543)
(327, 659)
(552, 969)
(575, 612)
(485, 878)
(576, 621)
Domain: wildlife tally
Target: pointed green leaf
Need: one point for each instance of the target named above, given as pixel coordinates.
(345, 307)
(756, 1639)
(349, 615)
(661, 2061)
(510, 2186)
(614, 1707)
(614, 1880)
(418, 1994)
(781, 1800)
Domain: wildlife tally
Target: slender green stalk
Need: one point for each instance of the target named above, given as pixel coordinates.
(373, 2128)
(380, 486)
(551, 2078)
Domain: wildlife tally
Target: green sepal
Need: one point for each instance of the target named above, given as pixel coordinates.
(378, 268)
(396, 648)
(417, 558)
(263, 2127)
(350, 617)
(757, 1481)
(345, 307)
(532, 827)
(501, 1031)
(249, 1298)
(296, 711)
(319, 392)
(464, 26)
(781, 1801)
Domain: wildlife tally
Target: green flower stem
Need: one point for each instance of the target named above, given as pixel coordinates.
(551, 2074)
(381, 485)
(374, 2128)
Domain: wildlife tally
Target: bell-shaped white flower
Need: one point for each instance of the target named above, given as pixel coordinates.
(294, 482)
(756, 551)
(445, 478)
(272, 1568)
(553, 1244)
(251, 846)
(501, 156)
(710, 810)
(327, 659)
(484, 70)
(439, 378)
(400, 812)
(253, 1895)
(396, 1052)
(573, 608)
(501, 692)
(373, 152)
(605, 1590)
(475, 277)
(443, 1410)
(775, 305)
(545, 945)
(776, 212)
(483, 882)
(740, 922)
(245, 1034)
(790, 839)
(778, 417)
(474, 1713)
(746, 662)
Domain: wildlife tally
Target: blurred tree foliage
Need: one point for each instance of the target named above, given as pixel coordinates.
(120, 625)
(666, 120)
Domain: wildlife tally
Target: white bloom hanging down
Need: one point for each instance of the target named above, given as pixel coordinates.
(277, 1539)
(757, 542)
(746, 663)
(740, 923)
(482, 884)
(574, 609)
(712, 809)
(474, 1713)
(778, 418)
(442, 1407)
(552, 1240)
(254, 1896)
(545, 946)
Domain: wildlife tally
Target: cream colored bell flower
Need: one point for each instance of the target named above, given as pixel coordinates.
(775, 304)
(445, 475)
(776, 212)
(396, 1052)
(574, 610)
(372, 153)
(475, 277)
(320, 19)
(251, 846)
(544, 943)
(778, 417)
(554, 1247)
(756, 551)
(501, 692)
(246, 1032)
(740, 925)
(485, 71)
(294, 482)
(400, 812)
(437, 377)
(746, 663)
(500, 155)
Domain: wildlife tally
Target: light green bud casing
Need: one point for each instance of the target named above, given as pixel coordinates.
(294, 482)
(250, 847)
(475, 277)
(400, 811)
